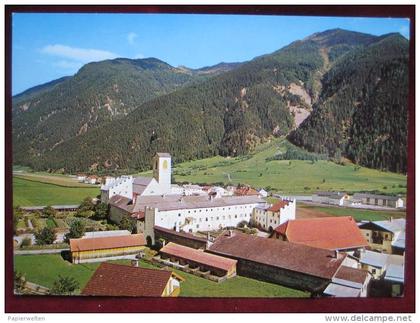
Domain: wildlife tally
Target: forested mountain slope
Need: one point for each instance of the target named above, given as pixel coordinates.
(227, 114)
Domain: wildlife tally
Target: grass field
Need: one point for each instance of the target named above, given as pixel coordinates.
(59, 180)
(296, 177)
(30, 193)
(44, 269)
(357, 214)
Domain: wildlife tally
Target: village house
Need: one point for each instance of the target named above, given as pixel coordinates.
(333, 233)
(385, 236)
(380, 200)
(387, 269)
(180, 257)
(333, 198)
(132, 281)
(106, 248)
(268, 217)
(289, 264)
(349, 282)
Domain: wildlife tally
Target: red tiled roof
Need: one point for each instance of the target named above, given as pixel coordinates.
(291, 256)
(120, 280)
(198, 256)
(246, 191)
(277, 206)
(85, 244)
(351, 274)
(327, 232)
(138, 215)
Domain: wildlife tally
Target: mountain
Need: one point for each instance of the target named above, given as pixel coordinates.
(230, 113)
(362, 109)
(50, 114)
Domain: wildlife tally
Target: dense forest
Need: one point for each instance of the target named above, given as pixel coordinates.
(362, 109)
(227, 109)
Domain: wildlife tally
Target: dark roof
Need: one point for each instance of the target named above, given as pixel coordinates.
(120, 280)
(327, 232)
(86, 244)
(198, 256)
(351, 274)
(273, 252)
(180, 234)
(121, 202)
(142, 180)
(333, 195)
(374, 196)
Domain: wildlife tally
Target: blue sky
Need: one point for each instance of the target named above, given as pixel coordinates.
(49, 46)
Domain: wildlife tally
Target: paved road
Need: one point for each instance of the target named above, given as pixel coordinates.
(38, 252)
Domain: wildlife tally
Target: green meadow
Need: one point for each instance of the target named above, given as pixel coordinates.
(284, 176)
(30, 193)
(44, 270)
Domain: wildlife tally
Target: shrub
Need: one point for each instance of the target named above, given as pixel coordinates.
(26, 242)
(45, 236)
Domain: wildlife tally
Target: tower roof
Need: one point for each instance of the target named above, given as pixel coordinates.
(163, 154)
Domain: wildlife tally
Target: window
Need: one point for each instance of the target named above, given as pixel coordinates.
(373, 271)
(198, 225)
(179, 214)
(236, 216)
(217, 218)
(207, 219)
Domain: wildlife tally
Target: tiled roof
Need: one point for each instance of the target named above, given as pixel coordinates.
(121, 202)
(277, 206)
(180, 234)
(334, 233)
(85, 244)
(120, 280)
(180, 202)
(338, 290)
(333, 195)
(380, 260)
(351, 274)
(291, 256)
(198, 256)
(142, 180)
(245, 191)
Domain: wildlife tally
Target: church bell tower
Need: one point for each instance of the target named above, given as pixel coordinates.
(162, 171)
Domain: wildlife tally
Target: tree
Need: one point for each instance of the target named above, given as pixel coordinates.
(127, 224)
(48, 212)
(26, 242)
(19, 282)
(101, 211)
(77, 230)
(87, 205)
(83, 213)
(45, 236)
(17, 216)
(64, 286)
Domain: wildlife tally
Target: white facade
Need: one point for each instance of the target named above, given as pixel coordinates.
(203, 219)
(117, 186)
(263, 192)
(269, 220)
(162, 171)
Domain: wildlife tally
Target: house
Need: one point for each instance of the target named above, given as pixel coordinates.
(205, 262)
(377, 263)
(333, 233)
(245, 191)
(263, 192)
(333, 198)
(106, 248)
(121, 280)
(387, 271)
(81, 178)
(91, 179)
(385, 236)
(294, 265)
(268, 217)
(349, 282)
(380, 200)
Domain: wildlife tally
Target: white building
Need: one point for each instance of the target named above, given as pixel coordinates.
(269, 217)
(263, 192)
(333, 198)
(117, 186)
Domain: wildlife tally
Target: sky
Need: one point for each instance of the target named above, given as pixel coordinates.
(48, 46)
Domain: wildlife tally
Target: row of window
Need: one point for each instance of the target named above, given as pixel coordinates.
(211, 210)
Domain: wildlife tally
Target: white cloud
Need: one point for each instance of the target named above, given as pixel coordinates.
(405, 31)
(81, 55)
(139, 55)
(69, 65)
(131, 38)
